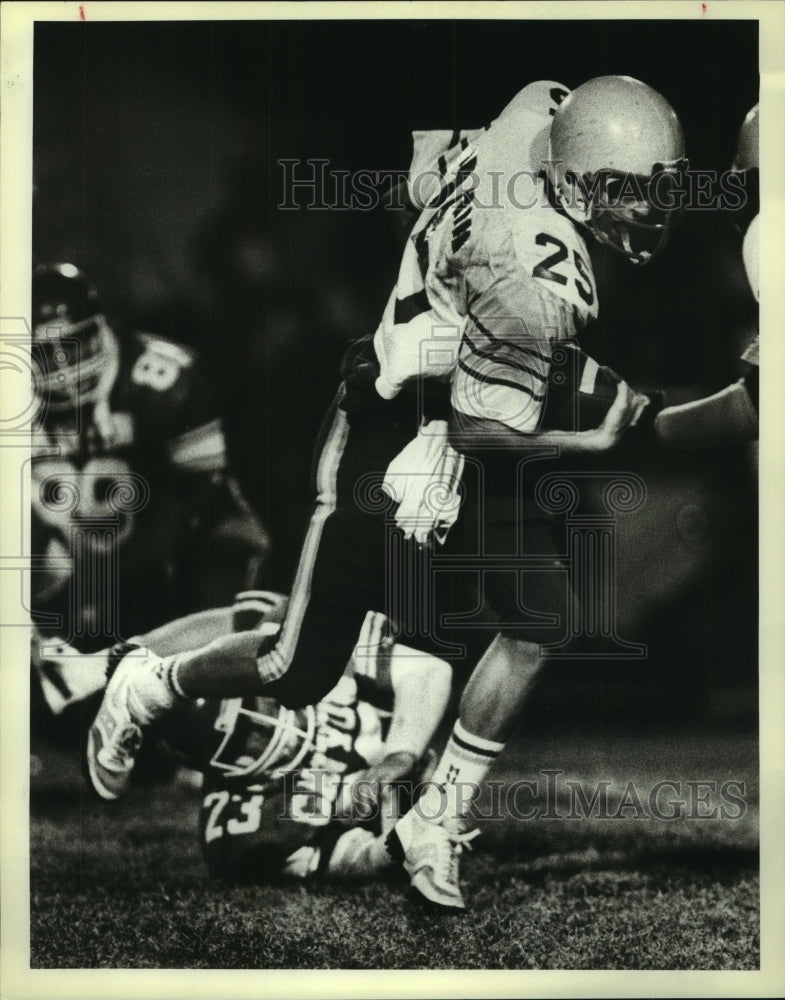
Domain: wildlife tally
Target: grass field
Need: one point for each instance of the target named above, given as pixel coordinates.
(124, 886)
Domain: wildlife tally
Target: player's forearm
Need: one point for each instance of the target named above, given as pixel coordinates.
(421, 686)
(726, 418)
(471, 433)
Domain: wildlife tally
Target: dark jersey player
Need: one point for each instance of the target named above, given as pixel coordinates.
(131, 493)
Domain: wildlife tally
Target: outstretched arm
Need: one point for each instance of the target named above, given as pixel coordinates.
(421, 685)
(467, 432)
(729, 417)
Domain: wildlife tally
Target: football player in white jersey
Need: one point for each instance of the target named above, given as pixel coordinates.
(301, 793)
(492, 283)
(601, 151)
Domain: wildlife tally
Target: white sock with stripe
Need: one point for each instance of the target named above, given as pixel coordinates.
(465, 763)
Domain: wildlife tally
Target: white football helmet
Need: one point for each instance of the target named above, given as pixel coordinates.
(612, 140)
(261, 739)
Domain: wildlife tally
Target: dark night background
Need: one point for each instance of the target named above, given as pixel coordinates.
(155, 169)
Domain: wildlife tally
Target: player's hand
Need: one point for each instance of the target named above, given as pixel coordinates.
(392, 803)
(624, 413)
(359, 370)
(424, 480)
(366, 794)
(360, 389)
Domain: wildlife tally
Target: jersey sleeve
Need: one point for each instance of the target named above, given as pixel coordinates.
(435, 158)
(532, 290)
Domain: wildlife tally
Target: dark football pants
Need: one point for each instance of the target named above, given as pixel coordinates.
(522, 577)
(343, 562)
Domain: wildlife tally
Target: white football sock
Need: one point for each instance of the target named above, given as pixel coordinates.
(154, 689)
(465, 763)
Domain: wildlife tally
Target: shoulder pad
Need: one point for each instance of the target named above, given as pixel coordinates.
(437, 155)
(541, 98)
(163, 386)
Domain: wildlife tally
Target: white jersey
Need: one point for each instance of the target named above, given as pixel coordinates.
(493, 273)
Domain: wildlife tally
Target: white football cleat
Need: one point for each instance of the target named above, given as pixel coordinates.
(430, 854)
(114, 738)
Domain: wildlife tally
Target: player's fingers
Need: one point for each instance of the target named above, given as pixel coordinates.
(621, 410)
(639, 404)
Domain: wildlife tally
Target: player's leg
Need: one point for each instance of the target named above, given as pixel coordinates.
(531, 607)
(338, 578)
(68, 676)
(127, 703)
(430, 837)
(490, 706)
(140, 694)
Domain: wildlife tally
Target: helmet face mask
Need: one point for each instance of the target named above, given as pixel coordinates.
(75, 352)
(75, 364)
(612, 141)
(261, 738)
(627, 213)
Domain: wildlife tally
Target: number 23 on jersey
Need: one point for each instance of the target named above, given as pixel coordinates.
(566, 270)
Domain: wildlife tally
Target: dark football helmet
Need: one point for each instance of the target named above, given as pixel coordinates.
(75, 352)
